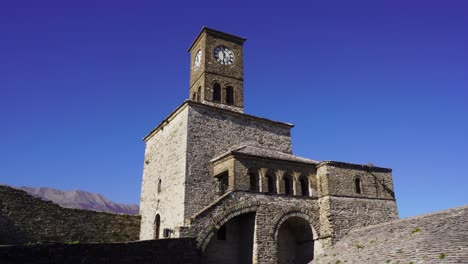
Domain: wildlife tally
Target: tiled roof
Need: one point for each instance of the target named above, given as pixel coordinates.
(265, 153)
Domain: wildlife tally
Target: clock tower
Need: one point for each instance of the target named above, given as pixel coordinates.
(216, 70)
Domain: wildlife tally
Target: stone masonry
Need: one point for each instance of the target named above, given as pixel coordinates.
(440, 237)
(230, 180)
(27, 219)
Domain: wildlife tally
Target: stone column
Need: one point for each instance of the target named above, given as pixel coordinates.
(262, 180)
(296, 184)
(264, 247)
(280, 182)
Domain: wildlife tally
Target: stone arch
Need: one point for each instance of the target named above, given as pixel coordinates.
(218, 221)
(296, 213)
(292, 238)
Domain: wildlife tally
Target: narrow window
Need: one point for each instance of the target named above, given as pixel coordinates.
(229, 95)
(216, 92)
(199, 94)
(223, 182)
(157, 224)
(287, 185)
(222, 233)
(357, 184)
(271, 184)
(304, 187)
(194, 96)
(159, 185)
(253, 182)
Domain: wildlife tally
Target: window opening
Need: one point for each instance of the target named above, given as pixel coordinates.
(157, 223)
(223, 182)
(271, 184)
(357, 183)
(229, 95)
(216, 92)
(304, 187)
(287, 186)
(199, 94)
(253, 182)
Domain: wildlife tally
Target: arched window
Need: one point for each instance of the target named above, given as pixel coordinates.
(357, 184)
(216, 92)
(157, 224)
(159, 185)
(229, 95)
(194, 96)
(199, 94)
(287, 185)
(253, 181)
(271, 184)
(304, 187)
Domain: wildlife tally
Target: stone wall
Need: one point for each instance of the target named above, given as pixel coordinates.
(170, 251)
(162, 190)
(343, 208)
(25, 219)
(440, 237)
(268, 220)
(212, 131)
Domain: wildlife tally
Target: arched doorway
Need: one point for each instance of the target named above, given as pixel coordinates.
(233, 242)
(295, 241)
(157, 226)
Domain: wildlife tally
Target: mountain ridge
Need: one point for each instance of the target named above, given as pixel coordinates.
(79, 199)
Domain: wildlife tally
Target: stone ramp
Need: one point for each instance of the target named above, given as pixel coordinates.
(440, 237)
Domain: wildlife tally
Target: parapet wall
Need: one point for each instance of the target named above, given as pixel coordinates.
(26, 219)
(170, 251)
(440, 237)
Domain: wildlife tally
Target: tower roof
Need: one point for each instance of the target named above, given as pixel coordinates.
(218, 34)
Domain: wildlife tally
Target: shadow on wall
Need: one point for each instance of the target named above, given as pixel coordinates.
(233, 242)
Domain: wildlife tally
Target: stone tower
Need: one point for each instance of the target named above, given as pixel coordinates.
(216, 70)
(230, 180)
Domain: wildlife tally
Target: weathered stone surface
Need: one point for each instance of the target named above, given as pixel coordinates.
(440, 237)
(227, 168)
(164, 175)
(25, 219)
(164, 251)
(211, 71)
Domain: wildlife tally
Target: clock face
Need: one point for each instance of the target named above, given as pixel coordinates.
(197, 61)
(224, 55)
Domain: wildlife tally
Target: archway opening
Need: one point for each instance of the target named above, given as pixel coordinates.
(233, 242)
(295, 241)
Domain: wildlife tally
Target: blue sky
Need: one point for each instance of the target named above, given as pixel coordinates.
(81, 83)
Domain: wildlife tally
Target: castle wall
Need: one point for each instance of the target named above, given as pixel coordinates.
(26, 219)
(174, 251)
(213, 131)
(165, 162)
(433, 238)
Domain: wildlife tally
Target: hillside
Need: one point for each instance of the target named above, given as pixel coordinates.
(78, 199)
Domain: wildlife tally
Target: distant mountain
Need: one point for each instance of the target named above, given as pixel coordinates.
(80, 200)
